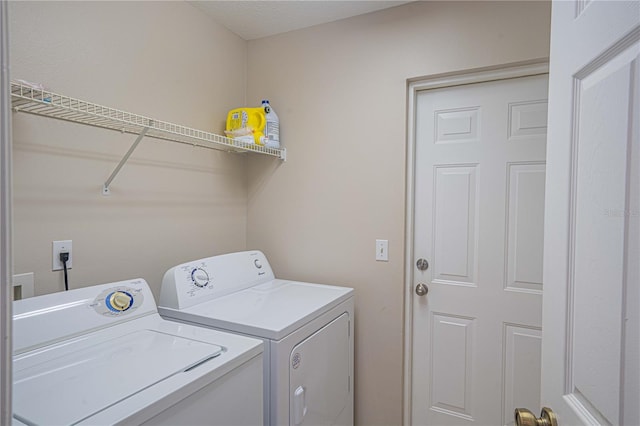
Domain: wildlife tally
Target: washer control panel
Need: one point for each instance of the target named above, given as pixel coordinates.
(118, 301)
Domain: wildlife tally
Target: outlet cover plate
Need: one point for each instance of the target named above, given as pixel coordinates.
(61, 247)
(23, 286)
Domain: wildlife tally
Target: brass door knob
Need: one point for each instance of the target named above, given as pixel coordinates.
(525, 417)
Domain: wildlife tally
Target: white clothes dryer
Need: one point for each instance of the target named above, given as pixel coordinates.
(307, 329)
(102, 355)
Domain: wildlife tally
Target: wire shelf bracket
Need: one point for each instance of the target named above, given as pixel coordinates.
(105, 188)
(35, 100)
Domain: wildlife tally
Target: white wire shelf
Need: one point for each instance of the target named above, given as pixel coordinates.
(49, 104)
(26, 98)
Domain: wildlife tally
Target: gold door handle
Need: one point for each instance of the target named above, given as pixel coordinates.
(525, 417)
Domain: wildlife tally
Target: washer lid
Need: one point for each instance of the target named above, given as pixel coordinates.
(271, 310)
(68, 386)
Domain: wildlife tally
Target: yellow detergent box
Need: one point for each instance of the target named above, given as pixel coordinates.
(246, 125)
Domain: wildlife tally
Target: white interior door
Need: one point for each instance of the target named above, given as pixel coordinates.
(478, 221)
(591, 353)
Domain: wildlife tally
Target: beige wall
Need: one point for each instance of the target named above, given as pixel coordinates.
(340, 91)
(170, 203)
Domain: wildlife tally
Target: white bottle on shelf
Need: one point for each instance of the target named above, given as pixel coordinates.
(271, 137)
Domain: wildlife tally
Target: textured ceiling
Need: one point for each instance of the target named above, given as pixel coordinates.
(261, 18)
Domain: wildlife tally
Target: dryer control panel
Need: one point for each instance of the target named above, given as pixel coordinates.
(195, 279)
(195, 282)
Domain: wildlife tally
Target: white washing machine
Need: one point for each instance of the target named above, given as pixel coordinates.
(102, 355)
(307, 329)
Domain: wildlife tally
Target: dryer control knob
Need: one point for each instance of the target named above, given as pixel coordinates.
(120, 301)
(200, 277)
(257, 263)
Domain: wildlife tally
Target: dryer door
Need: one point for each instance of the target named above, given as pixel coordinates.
(319, 377)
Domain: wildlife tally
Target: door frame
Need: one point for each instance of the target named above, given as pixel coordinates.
(6, 264)
(414, 86)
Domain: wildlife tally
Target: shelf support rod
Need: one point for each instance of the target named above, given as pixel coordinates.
(105, 188)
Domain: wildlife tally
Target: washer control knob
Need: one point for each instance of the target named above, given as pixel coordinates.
(257, 263)
(120, 301)
(200, 277)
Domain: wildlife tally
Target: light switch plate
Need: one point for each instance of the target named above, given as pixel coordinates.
(382, 250)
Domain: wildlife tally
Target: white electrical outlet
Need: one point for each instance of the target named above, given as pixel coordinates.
(61, 247)
(382, 250)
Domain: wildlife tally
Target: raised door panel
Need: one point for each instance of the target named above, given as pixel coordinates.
(454, 227)
(527, 119)
(599, 227)
(459, 125)
(452, 340)
(521, 375)
(525, 226)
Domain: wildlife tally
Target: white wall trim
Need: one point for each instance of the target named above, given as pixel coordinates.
(414, 86)
(6, 263)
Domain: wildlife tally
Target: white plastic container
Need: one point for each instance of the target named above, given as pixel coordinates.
(271, 136)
